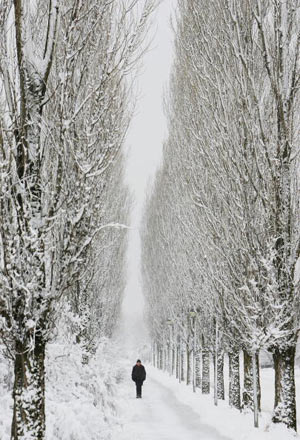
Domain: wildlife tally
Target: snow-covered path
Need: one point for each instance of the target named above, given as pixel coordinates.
(159, 415)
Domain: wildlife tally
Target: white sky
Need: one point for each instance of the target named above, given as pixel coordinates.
(145, 139)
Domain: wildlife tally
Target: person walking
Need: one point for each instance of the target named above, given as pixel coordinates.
(138, 375)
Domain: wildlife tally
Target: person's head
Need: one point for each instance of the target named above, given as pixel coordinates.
(138, 362)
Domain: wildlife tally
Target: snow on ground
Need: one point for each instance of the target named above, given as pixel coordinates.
(159, 414)
(97, 402)
(171, 411)
(5, 398)
(80, 399)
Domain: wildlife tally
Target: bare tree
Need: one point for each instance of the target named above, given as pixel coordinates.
(230, 196)
(64, 113)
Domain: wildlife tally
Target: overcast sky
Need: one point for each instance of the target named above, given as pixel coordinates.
(144, 141)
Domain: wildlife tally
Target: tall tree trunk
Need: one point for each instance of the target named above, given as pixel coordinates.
(255, 371)
(194, 368)
(160, 357)
(177, 361)
(173, 360)
(248, 382)
(169, 348)
(219, 388)
(205, 370)
(182, 375)
(220, 376)
(165, 355)
(29, 393)
(285, 392)
(153, 354)
(234, 380)
(198, 370)
(188, 365)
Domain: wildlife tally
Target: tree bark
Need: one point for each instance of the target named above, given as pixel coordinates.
(198, 370)
(220, 376)
(182, 375)
(255, 393)
(248, 383)
(165, 358)
(153, 354)
(177, 361)
(285, 391)
(173, 360)
(29, 392)
(188, 365)
(205, 371)
(219, 387)
(160, 357)
(234, 380)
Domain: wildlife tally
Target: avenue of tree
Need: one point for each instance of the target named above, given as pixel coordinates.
(65, 106)
(222, 223)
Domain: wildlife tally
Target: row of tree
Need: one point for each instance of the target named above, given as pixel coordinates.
(65, 105)
(221, 236)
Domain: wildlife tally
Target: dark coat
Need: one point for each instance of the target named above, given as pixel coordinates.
(138, 374)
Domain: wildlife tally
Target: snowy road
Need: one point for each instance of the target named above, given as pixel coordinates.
(159, 416)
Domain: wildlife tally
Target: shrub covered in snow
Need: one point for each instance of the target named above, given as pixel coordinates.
(80, 399)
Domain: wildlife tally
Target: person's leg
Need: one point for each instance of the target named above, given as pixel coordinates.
(138, 389)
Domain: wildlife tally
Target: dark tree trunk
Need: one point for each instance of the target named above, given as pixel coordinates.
(177, 361)
(198, 370)
(219, 387)
(188, 365)
(248, 382)
(220, 376)
(205, 371)
(182, 375)
(160, 358)
(166, 358)
(234, 380)
(285, 391)
(153, 354)
(173, 360)
(29, 392)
